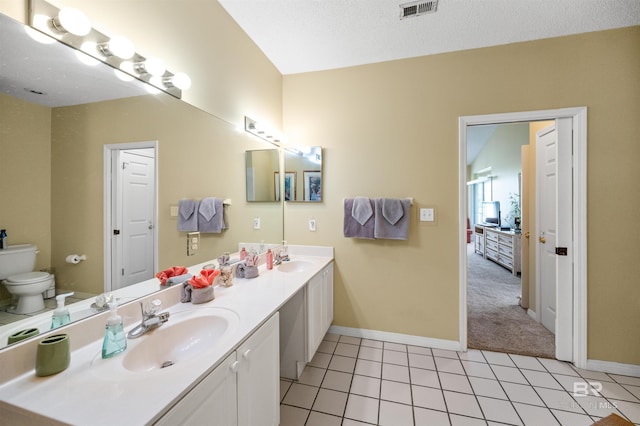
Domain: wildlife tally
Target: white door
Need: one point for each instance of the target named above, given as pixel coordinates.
(135, 214)
(554, 242)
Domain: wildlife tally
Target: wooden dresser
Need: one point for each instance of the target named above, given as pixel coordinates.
(502, 247)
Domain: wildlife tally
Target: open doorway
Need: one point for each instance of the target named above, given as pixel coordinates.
(131, 239)
(570, 337)
(499, 186)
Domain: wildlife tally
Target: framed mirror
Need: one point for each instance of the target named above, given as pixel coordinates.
(303, 174)
(262, 175)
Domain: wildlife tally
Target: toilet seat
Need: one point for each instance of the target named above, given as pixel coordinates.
(27, 278)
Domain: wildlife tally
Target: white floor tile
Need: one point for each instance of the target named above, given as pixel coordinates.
(372, 343)
(320, 360)
(498, 358)
(419, 350)
(321, 419)
(372, 354)
(528, 362)
(522, 393)
(460, 403)
(350, 340)
(617, 391)
(395, 347)
(368, 368)
(330, 402)
(558, 367)
(342, 363)
(466, 421)
(572, 419)
(428, 398)
(568, 383)
(422, 361)
(535, 416)
(394, 357)
(627, 380)
(594, 375)
(331, 337)
(396, 373)
(349, 422)
(455, 382)
(362, 409)
(395, 392)
(629, 409)
(292, 416)
(312, 376)
(541, 379)
(284, 387)
(327, 347)
(424, 377)
(472, 355)
(392, 414)
(508, 374)
(449, 365)
(595, 406)
(442, 353)
(337, 380)
(425, 417)
(499, 411)
(300, 395)
(487, 387)
(634, 390)
(478, 369)
(365, 386)
(559, 399)
(346, 349)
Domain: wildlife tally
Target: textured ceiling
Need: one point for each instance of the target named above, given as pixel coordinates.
(312, 35)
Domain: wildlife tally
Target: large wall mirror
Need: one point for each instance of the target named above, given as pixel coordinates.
(53, 163)
(263, 175)
(303, 174)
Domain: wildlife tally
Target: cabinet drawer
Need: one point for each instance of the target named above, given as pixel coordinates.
(507, 241)
(492, 236)
(492, 245)
(506, 261)
(506, 250)
(491, 254)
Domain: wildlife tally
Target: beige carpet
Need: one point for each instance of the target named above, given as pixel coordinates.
(495, 321)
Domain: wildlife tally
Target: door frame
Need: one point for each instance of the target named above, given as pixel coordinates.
(109, 200)
(579, 215)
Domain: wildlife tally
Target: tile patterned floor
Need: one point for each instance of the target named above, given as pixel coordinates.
(352, 382)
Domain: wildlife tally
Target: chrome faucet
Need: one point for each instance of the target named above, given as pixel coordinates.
(280, 256)
(150, 318)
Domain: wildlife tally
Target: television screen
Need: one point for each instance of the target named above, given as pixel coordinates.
(491, 212)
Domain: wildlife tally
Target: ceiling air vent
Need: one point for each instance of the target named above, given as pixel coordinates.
(417, 8)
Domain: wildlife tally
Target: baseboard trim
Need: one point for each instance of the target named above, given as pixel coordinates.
(613, 367)
(532, 314)
(407, 339)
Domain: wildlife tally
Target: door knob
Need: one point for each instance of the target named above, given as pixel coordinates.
(150, 225)
(542, 240)
(527, 234)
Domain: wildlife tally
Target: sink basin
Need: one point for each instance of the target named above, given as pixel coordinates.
(187, 334)
(294, 266)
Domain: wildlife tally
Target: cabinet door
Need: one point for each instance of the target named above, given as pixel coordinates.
(214, 397)
(315, 314)
(327, 296)
(259, 378)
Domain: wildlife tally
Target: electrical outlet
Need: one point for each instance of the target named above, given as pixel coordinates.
(256, 223)
(427, 214)
(193, 243)
(312, 225)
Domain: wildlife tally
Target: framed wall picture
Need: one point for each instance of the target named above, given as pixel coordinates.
(289, 185)
(312, 186)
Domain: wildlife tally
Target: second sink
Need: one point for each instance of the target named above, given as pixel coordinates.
(294, 266)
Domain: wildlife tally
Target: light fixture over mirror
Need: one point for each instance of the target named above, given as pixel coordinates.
(72, 27)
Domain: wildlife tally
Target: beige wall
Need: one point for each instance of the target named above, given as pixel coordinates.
(25, 176)
(391, 129)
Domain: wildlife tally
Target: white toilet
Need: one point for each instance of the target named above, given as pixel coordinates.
(16, 266)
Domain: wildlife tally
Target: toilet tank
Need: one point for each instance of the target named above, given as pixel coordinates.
(17, 259)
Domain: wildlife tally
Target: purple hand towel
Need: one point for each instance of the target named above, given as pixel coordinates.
(352, 228)
(210, 215)
(188, 215)
(392, 218)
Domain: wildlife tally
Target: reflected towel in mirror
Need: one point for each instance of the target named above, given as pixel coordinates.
(187, 215)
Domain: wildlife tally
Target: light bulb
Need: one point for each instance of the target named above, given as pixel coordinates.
(181, 80)
(86, 58)
(38, 36)
(156, 81)
(121, 47)
(123, 75)
(154, 66)
(73, 21)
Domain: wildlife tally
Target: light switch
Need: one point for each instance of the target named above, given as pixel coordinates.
(312, 225)
(256, 223)
(427, 214)
(173, 211)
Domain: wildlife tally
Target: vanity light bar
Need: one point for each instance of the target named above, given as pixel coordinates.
(116, 51)
(253, 127)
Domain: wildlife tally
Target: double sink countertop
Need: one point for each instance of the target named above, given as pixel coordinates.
(102, 392)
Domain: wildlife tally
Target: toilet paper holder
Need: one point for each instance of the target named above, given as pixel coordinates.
(75, 259)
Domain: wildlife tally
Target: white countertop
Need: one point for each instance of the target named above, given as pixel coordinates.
(99, 395)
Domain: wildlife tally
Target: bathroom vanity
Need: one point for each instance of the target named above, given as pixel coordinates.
(231, 373)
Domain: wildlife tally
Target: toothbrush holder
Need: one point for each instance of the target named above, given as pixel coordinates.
(53, 355)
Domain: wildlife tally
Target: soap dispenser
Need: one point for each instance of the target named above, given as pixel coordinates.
(61, 314)
(115, 340)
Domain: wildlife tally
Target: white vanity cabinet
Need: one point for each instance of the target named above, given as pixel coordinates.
(304, 320)
(243, 390)
(319, 308)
